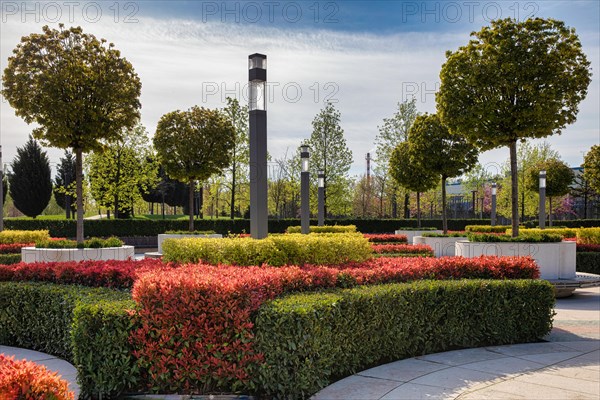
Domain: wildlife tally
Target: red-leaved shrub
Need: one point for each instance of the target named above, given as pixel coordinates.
(195, 329)
(588, 248)
(112, 273)
(419, 249)
(385, 238)
(13, 248)
(29, 381)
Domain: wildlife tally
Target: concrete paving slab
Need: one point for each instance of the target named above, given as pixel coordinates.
(460, 357)
(413, 391)
(454, 378)
(20, 354)
(574, 372)
(518, 350)
(403, 371)
(491, 394)
(357, 387)
(583, 345)
(559, 382)
(504, 366)
(535, 392)
(550, 358)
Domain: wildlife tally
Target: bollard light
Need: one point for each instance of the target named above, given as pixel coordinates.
(304, 156)
(542, 199)
(493, 216)
(304, 190)
(321, 195)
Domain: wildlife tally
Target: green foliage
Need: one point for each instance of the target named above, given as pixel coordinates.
(8, 259)
(275, 250)
(541, 237)
(30, 184)
(181, 232)
(92, 243)
(588, 262)
(88, 327)
(564, 232)
(591, 167)
(588, 235)
(324, 229)
(121, 172)
(193, 145)
(23, 236)
(102, 350)
(99, 93)
(559, 177)
(452, 234)
(444, 154)
(309, 340)
(410, 169)
(487, 228)
(64, 183)
(329, 153)
(514, 80)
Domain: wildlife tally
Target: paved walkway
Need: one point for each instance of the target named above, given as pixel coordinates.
(566, 367)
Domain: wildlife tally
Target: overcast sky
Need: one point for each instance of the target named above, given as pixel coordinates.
(364, 55)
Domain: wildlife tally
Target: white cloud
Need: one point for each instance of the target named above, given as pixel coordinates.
(183, 63)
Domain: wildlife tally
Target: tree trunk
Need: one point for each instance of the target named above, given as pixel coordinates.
(116, 202)
(79, 192)
(233, 170)
(406, 205)
(444, 216)
(514, 178)
(191, 206)
(418, 209)
(394, 204)
(550, 211)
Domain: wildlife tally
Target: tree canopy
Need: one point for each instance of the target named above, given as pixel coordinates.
(591, 168)
(410, 170)
(192, 145)
(30, 184)
(514, 80)
(77, 88)
(443, 153)
(559, 177)
(329, 152)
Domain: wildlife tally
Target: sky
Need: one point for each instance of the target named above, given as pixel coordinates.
(365, 56)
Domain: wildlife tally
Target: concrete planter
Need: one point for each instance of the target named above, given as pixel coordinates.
(411, 234)
(163, 236)
(442, 246)
(555, 260)
(32, 254)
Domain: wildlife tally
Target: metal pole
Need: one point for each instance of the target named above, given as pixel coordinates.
(493, 204)
(258, 146)
(304, 191)
(542, 199)
(321, 217)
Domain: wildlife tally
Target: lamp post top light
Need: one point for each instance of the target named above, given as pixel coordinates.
(304, 151)
(542, 179)
(494, 188)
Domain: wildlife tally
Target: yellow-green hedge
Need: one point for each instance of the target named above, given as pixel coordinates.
(564, 232)
(276, 250)
(324, 229)
(588, 235)
(487, 228)
(9, 237)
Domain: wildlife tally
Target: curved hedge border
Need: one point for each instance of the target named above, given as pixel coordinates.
(310, 340)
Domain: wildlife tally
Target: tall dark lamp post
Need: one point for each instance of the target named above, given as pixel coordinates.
(493, 216)
(321, 181)
(304, 190)
(542, 199)
(257, 76)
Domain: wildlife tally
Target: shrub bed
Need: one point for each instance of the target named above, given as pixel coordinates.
(487, 228)
(527, 238)
(26, 236)
(88, 327)
(92, 243)
(588, 248)
(588, 262)
(566, 233)
(24, 379)
(14, 248)
(588, 235)
(310, 340)
(110, 274)
(275, 250)
(402, 249)
(385, 238)
(9, 259)
(323, 229)
(449, 234)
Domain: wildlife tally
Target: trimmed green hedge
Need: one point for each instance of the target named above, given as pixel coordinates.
(8, 259)
(588, 262)
(524, 238)
(323, 229)
(141, 227)
(86, 326)
(275, 250)
(310, 340)
(574, 223)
